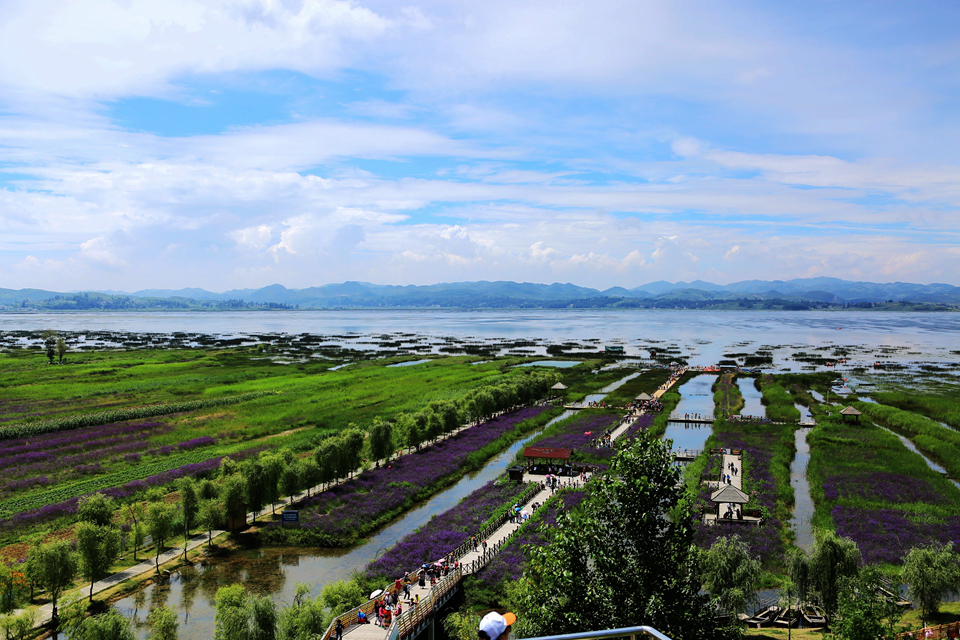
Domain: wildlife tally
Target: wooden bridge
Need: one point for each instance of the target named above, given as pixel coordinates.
(688, 419)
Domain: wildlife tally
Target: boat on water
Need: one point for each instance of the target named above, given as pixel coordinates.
(788, 617)
(764, 618)
(813, 616)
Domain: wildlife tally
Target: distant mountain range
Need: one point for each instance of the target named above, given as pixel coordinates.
(798, 294)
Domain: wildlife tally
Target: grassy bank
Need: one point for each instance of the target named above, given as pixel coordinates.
(939, 442)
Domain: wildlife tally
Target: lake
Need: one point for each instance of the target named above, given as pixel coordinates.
(702, 336)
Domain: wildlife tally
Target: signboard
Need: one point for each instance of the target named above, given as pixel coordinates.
(546, 452)
(290, 518)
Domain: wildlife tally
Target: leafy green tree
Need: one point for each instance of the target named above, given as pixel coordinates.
(325, 456)
(342, 595)
(98, 548)
(434, 425)
(207, 489)
(61, 349)
(352, 449)
(381, 439)
(110, 625)
(799, 571)
(233, 494)
(273, 465)
(189, 506)
(311, 474)
(231, 620)
(13, 585)
(96, 509)
(137, 537)
(49, 337)
(263, 618)
(731, 575)
(210, 517)
(19, 626)
(450, 416)
(163, 624)
(160, 519)
(931, 572)
(863, 613)
(304, 618)
(626, 557)
(833, 558)
(290, 480)
(256, 486)
(53, 567)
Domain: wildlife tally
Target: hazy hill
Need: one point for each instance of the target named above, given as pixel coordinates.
(817, 292)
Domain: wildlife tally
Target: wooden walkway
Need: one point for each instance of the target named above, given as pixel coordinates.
(432, 597)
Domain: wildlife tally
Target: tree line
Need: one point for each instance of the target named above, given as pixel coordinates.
(106, 530)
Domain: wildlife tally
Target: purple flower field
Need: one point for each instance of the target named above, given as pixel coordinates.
(763, 541)
(510, 563)
(643, 423)
(69, 507)
(575, 436)
(64, 456)
(886, 535)
(881, 486)
(350, 508)
(445, 532)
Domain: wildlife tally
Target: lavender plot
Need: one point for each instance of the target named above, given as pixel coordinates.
(343, 512)
(445, 532)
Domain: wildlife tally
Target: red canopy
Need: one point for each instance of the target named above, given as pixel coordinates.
(546, 452)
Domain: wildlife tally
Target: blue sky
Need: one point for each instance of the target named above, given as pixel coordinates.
(178, 143)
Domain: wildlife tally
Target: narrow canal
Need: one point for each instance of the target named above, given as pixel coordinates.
(275, 571)
(696, 400)
(802, 519)
(752, 405)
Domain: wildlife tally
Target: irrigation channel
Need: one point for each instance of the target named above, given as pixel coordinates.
(275, 571)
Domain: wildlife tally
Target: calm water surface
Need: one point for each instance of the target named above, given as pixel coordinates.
(751, 398)
(696, 397)
(703, 334)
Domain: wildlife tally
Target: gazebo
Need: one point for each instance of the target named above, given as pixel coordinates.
(850, 411)
(559, 388)
(729, 493)
(643, 397)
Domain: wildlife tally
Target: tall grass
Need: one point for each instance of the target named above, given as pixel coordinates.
(777, 400)
(944, 407)
(935, 440)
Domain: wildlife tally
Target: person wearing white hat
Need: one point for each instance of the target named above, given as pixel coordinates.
(495, 626)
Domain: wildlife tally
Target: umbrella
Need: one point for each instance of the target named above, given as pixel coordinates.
(376, 593)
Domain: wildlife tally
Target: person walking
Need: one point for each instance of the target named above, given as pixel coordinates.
(339, 629)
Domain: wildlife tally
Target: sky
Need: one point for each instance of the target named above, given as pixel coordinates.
(216, 144)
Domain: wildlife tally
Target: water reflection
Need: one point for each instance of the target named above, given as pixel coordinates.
(751, 398)
(802, 519)
(696, 398)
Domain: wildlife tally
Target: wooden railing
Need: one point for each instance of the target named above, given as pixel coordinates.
(411, 619)
(950, 630)
(532, 490)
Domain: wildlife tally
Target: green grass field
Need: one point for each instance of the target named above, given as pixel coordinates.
(259, 404)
